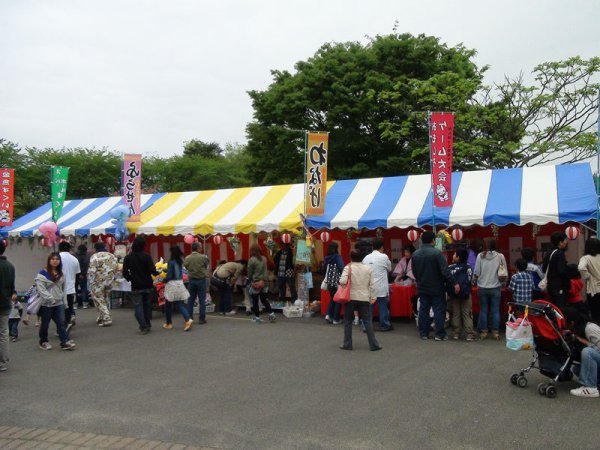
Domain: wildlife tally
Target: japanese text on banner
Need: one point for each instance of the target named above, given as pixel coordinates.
(317, 148)
(132, 185)
(441, 128)
(7, 181)
(60, 177)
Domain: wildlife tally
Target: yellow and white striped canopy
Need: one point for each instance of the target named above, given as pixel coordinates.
(241, 210)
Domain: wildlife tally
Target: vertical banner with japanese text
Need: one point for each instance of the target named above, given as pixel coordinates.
(317, 149)
(58, 184)
(441, 129)
(132, 185)
(7, 177)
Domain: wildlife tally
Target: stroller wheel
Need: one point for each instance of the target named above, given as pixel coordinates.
(541, 388)
(521, 381)
(514, 378)
(551, 391)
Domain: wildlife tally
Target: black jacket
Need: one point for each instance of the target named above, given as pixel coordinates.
(138, 268)
(7, 283)
(558, 274)
(430, 269)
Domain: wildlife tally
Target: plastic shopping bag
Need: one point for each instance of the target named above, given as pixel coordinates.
(519, 335)
(33, 303)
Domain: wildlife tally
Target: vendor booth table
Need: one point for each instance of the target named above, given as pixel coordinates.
(400, 301)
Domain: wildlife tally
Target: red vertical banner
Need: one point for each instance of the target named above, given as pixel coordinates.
(441, 136)
(132, 185)
(7, 195)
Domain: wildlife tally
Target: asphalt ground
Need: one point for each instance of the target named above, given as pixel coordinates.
(234, 384)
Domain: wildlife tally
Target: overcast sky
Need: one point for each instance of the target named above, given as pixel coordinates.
(146, 75)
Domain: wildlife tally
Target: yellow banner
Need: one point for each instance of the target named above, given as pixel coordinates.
(317, 155)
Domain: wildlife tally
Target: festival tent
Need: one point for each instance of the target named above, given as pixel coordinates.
(78, 218)
(537, 195)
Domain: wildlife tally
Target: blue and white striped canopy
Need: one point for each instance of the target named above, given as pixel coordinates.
(78, 217)
(536, 195)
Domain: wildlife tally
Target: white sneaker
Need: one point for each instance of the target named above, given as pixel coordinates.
(233, 312)
(585, 391)
(337, 322)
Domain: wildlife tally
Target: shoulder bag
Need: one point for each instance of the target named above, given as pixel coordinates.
(324, 285)
(543, 284)
(502, 270)
(342, 294)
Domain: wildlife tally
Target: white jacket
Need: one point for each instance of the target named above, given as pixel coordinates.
(362, 286)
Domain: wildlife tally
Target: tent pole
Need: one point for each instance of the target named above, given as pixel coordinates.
(598, 172)
(431, 173)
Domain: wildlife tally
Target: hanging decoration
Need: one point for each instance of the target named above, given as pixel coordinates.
(413, 235)
(5, 242)
(379, 233)
(572, 232)
(234, 241)
(271, 244)
(217, 239)
(189, 239)
(109, 241)
(325, 236)
(457, 234)
(495, 231)
(535, 229)
(119, 215)
(286, 238)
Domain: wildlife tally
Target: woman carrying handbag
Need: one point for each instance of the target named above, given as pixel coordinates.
(362, 293)
(175, 291)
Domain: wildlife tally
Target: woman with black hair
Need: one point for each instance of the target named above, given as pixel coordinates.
(50, 286)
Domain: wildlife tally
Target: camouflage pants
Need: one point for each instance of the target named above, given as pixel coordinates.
(101, 296)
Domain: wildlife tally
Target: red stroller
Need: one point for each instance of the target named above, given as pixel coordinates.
(552, 355)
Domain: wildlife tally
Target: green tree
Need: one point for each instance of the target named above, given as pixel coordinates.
(353, 91)
(196, 147)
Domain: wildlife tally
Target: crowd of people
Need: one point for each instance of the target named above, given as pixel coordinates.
(442, 289)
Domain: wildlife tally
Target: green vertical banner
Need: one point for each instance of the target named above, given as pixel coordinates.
(60, 176)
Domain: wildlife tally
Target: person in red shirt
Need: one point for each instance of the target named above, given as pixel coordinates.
(575, 299)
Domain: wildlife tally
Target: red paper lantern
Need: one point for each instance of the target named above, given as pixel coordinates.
(413, 235)
(286, 238)
(109, 241)
(5, 242)
(43, 242)
(188, 239)
(325, 236)
(572, 232)
(217, 239)
(457, 234)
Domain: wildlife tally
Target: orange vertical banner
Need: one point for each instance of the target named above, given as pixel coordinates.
(317, 156)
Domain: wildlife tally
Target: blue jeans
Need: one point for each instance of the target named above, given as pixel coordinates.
(225, 298)
(142, 302)
(438, 303)
(83, 295)
(197, 289)
(383, 303)
(590, 361)
(13, 327)
(281, 284)
(57, 314)
(333, 308)
(489, 304)
(182, 310)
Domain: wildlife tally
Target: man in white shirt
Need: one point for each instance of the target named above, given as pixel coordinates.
(381, 265)
(70, 268)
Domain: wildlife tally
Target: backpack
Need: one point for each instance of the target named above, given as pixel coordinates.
(462, 276)
(333, 275)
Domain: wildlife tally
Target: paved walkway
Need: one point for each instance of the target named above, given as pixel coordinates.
(43, 438)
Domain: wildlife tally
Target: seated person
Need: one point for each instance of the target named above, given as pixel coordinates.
(403, 270)
(588, 334)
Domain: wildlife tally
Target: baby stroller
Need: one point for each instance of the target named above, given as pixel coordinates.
(552, 355)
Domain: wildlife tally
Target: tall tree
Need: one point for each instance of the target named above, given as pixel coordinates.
(196, 147)
(352, 89)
